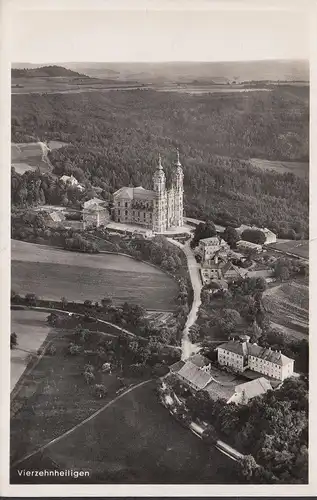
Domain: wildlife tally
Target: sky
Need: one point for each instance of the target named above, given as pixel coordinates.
(47, 36)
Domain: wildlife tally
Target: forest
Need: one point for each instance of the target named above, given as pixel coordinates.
(114, 138)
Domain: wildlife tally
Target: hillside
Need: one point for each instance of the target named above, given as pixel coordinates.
(115, 137)
(45, 71)
(219, 72)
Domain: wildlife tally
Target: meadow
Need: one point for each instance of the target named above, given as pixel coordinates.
(288, 308)
(301, 169)
(33, 156)
(52, 273)
(299, 248)
(54, 396)
(137, 441)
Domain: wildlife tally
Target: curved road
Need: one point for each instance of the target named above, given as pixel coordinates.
(188, 347)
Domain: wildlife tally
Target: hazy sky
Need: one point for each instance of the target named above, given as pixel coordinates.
(152, 35)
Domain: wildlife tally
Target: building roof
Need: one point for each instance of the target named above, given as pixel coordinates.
(268, 354)
(55, 216)
(250, 244)
(235, 346)
(194, 375)
(66, 178)
(246, 348)
(93, 201)
(175, 367)
(213, 240)
(137, 193)
(244, 392)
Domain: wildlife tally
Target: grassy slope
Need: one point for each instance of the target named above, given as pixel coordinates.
(136, 441)
(52, 273)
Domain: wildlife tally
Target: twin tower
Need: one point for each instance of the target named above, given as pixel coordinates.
(168, 203)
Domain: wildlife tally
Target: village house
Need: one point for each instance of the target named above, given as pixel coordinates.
(270, 237)
(53, 218)
(241, 355)
(72, 181)
(95, 213)
(196, 372)
(209, 247)
(248, 245)
(221, 271)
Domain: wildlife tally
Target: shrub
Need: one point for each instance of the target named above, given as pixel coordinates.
(100, 390)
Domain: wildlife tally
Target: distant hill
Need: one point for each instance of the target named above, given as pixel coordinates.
(186, 72)
(45, 71)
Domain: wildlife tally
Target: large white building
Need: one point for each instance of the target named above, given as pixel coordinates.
(158, 209)
(209, 247)
(241, 355)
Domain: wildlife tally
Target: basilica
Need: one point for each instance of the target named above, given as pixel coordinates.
(159, 209)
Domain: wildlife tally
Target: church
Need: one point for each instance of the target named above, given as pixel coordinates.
(159, 209)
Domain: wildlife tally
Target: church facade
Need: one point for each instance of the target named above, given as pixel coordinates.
(159, 209)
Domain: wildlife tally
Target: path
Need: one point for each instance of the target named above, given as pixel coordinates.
(188, 347)
(56, 440)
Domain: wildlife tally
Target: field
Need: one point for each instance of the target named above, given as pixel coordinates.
(53, 397)
(32, 330)
(301, 169)
(137, 441)
(52, 273)
(299, 248)
(288, 308)
(32, 155)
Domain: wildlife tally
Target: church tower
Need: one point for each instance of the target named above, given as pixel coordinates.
(178, 178)
(159, 204)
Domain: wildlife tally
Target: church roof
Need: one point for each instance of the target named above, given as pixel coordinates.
(134, 193)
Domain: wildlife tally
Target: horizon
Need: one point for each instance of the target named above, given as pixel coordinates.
(57, 62)
(157, 36)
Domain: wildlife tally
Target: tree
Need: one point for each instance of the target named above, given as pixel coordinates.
(247, 467)
(231, 236)
(106, 302)
(13, 340)
(210, 435)
(100, 390)
(64, 302)
(254, 236)
(89, 368)
(31, 299)
(202, 231)
(51, 350)
(89, 377)
(74, 349)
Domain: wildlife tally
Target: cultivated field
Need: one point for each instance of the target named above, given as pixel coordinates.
(288, 308)
(32, 155)
(299, 248)
(31, 329)
(301, 169)
(52, 273)
(137, 441)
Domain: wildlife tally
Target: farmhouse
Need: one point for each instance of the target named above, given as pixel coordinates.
(158, 209)
(69, 180)
(196, 373)
(95, 213)
(221, 271)
(209, 247)
(53, 218)
(241, 355)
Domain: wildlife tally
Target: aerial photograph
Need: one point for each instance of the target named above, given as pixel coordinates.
(159, 247)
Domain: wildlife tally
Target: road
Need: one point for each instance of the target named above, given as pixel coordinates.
(188, 347)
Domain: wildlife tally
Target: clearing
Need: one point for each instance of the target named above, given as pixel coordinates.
(288, 308)
(33, 155)
(301, 169)
(137, 441)
(52, 273)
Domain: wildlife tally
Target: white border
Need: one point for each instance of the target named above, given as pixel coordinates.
(7, 7)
